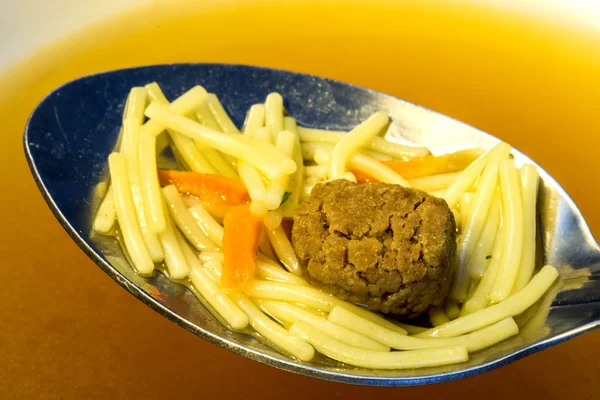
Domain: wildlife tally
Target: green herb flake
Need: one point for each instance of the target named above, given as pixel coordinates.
(285, 197)
(488, 257)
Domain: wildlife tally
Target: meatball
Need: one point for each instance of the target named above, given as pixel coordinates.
(384, 246)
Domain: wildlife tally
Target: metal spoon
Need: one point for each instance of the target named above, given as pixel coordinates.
(72, 131)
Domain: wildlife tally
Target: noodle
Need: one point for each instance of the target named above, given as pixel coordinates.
(274, 114)
(254, 119)
(513, 210)
(106, 215)
(437, 316)
(434, 183)
(264, 134)
(291, 314)
(185, 221)
(283, 249)
(309, 149)
(357, 137)
(150, 187)
(205, 116)
(375, 359)
(132, 236)
(305, 295)
(228, 144)
(452, 310)
(214, 268)
(185, 146)
(319, 171)
(469, 176)
(285, 142)
(174, 258)
(377, 170)
(273, 219)
(475, 341)
(466, 201)
(529, 179)
(265, 269)
(479, 299)
(274, 272)
(472, 231)
(210, 227)
(485, 245)
(514, 305)
(362, 163)
(296, 180)
(272, 331)
(184, 105)
(220, 115)
(376, 144)
(133, 117)
(211, 291)
(274, 195)
(253, 181)
(213, 294)
(214, 157)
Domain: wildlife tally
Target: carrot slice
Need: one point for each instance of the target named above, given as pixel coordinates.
(241, 237)
(205, 186)
(428, 165)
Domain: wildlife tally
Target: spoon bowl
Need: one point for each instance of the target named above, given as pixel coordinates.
(73, 130)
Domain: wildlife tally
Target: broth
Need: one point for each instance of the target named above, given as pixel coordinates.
(531, 83)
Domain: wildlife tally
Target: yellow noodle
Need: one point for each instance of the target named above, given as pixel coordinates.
(220, 114)
(283, 249)
(356, 138)
(529, 179)
(375, 359)
(185, 221)
(272, 331)
(211, 291)
(132, 236)
(479, 299)
(273, 166)
(132, 120)
(209, 225)
(185, 146)
(434, 183)
(150, 187)
(254, 119)
(377, 170)
(174, 258)
(472, 231)
(514, 305)
(296, 180)
(376, 144)
(106, 215)
(274, 113)
(183, 105)
(437, 316)
(290, 314)
(452, 309)
(474, 341)
(469, 176)
(485, 245)
(512, 202)
(273, 219)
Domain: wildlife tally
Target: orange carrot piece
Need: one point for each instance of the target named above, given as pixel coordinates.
(230, 190)
(241, 238)
(428, 165)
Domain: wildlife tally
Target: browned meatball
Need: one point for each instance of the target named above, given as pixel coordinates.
(384, 246)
